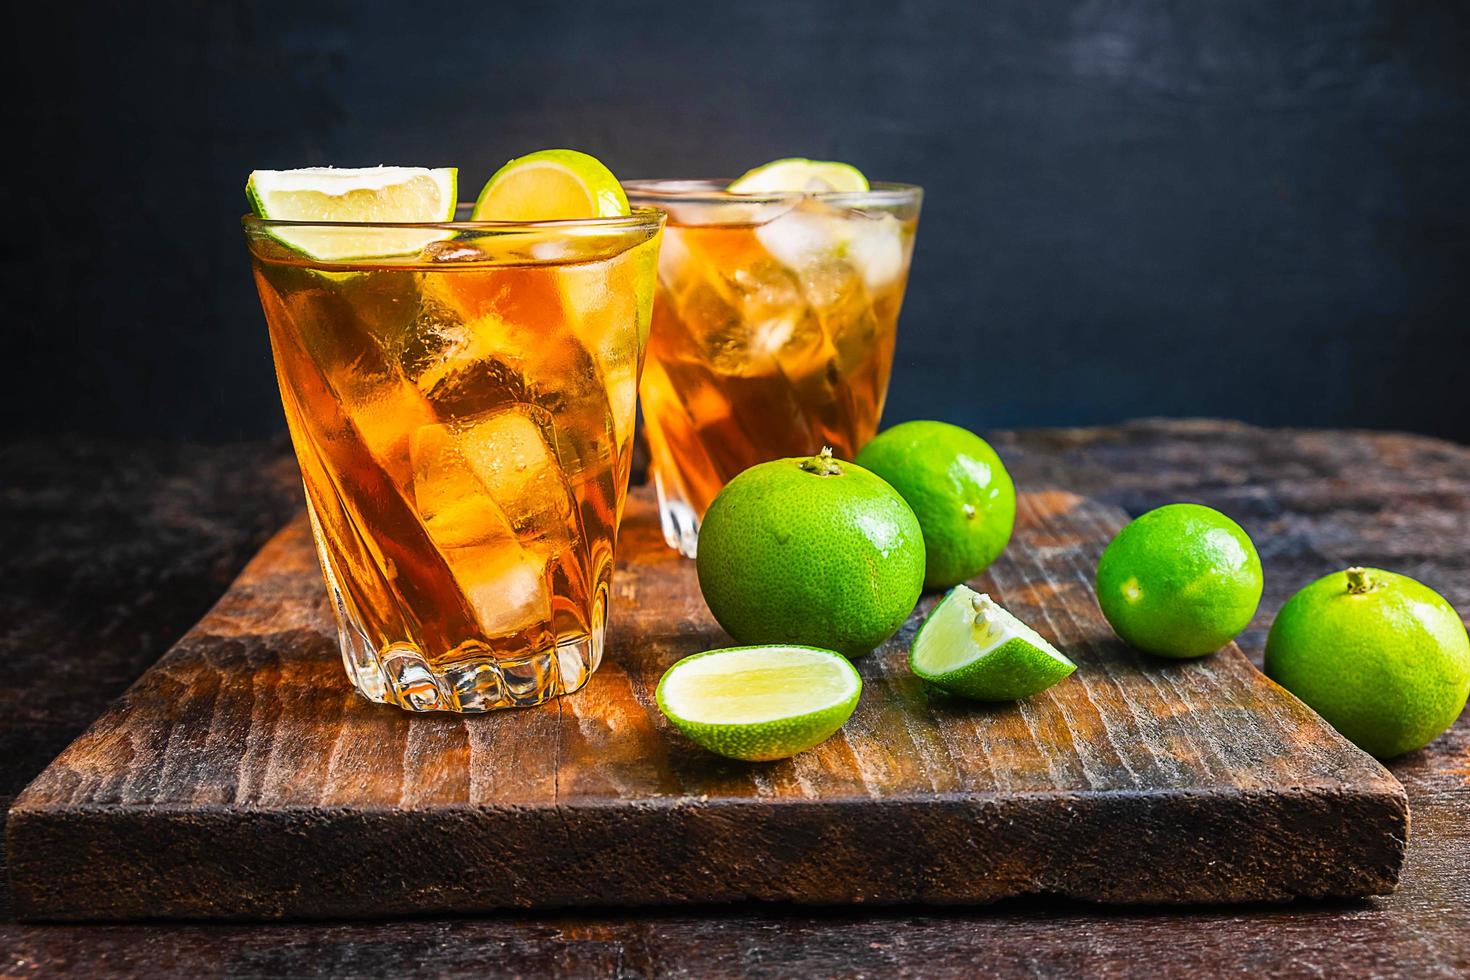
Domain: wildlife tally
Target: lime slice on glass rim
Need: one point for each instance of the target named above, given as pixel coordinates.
(369, 194)
(972, 647)
(551, 185)
(760, 703)
(797, 174)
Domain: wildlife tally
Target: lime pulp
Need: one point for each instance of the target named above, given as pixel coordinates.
(551, 185)
(759, 703)
(798, 174)
(320, 197)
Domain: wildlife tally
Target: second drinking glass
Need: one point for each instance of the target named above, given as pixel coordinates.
(773, 331)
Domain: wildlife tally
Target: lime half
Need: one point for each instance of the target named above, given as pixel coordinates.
(762, 702)
(970, 646)
(797, 174)
(371, 194)
(551, 185)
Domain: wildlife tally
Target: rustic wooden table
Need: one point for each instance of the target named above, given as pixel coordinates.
(113, 551)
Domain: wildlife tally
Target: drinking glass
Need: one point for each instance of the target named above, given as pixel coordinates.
(461, 398)
(773, 331)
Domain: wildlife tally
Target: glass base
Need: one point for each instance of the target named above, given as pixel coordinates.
(470, 680)
(470, 684)
(679, 522)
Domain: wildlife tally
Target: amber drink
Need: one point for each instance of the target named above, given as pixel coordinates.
(773, 331)
(462, 410)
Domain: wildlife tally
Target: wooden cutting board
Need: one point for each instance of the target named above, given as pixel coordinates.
(240, 777)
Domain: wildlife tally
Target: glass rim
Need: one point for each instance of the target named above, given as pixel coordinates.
(638, 218)
(711, 190)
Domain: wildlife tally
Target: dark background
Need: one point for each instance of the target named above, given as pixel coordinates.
(1257, 210)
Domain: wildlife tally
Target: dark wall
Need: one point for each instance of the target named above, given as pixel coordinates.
(1253, 209)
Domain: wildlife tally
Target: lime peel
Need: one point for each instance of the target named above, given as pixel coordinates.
(959, 490)
(1382, 658)
(1179, 581)
(376, 195)
(759, 703)
(800, 175)
(969, 645)
(830, 560)
(551, 185)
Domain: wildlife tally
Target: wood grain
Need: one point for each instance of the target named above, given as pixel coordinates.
(141, 531)
(240, 778)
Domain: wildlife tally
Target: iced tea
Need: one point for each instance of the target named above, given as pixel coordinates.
(773, 331)
(463, 417)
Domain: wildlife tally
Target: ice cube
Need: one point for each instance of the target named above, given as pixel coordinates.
(468, 385)
(673, 256)
(456, 510)
(804, 236)
(505, 455)
(604, 302)
(497, 331)
(765, 289)
(517, 296)
(716, 328)
(434, 342)
(382, 305)
(385, 409)
(458, 366)
(570, 245)
(773, 309)
(875, 247)
(812, 239)
(511, 453)
(521, 345)
(621, 380)
(506, 587)
(497, 507)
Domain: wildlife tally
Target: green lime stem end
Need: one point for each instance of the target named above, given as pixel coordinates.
(822, 464)
(1358, 582)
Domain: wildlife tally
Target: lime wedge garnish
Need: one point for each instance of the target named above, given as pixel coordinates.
(369, 194)
(796, 174)
(970, 646)
(760, 703)
(549, 185)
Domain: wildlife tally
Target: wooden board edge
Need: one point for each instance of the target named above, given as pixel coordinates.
(127, 863)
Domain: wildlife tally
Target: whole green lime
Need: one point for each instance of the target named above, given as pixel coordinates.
(810, 551)
(1179, 581)
(1383, 658)
(959, 490)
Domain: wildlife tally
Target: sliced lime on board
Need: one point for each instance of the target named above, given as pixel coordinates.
(800, 175)
(972, 647)
(370, 194)
(551, 185)
(761, 702)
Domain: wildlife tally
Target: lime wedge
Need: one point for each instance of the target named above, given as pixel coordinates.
(549, 185)
(972, 647)
(371, 194)
(762, 702)
(796, 174)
